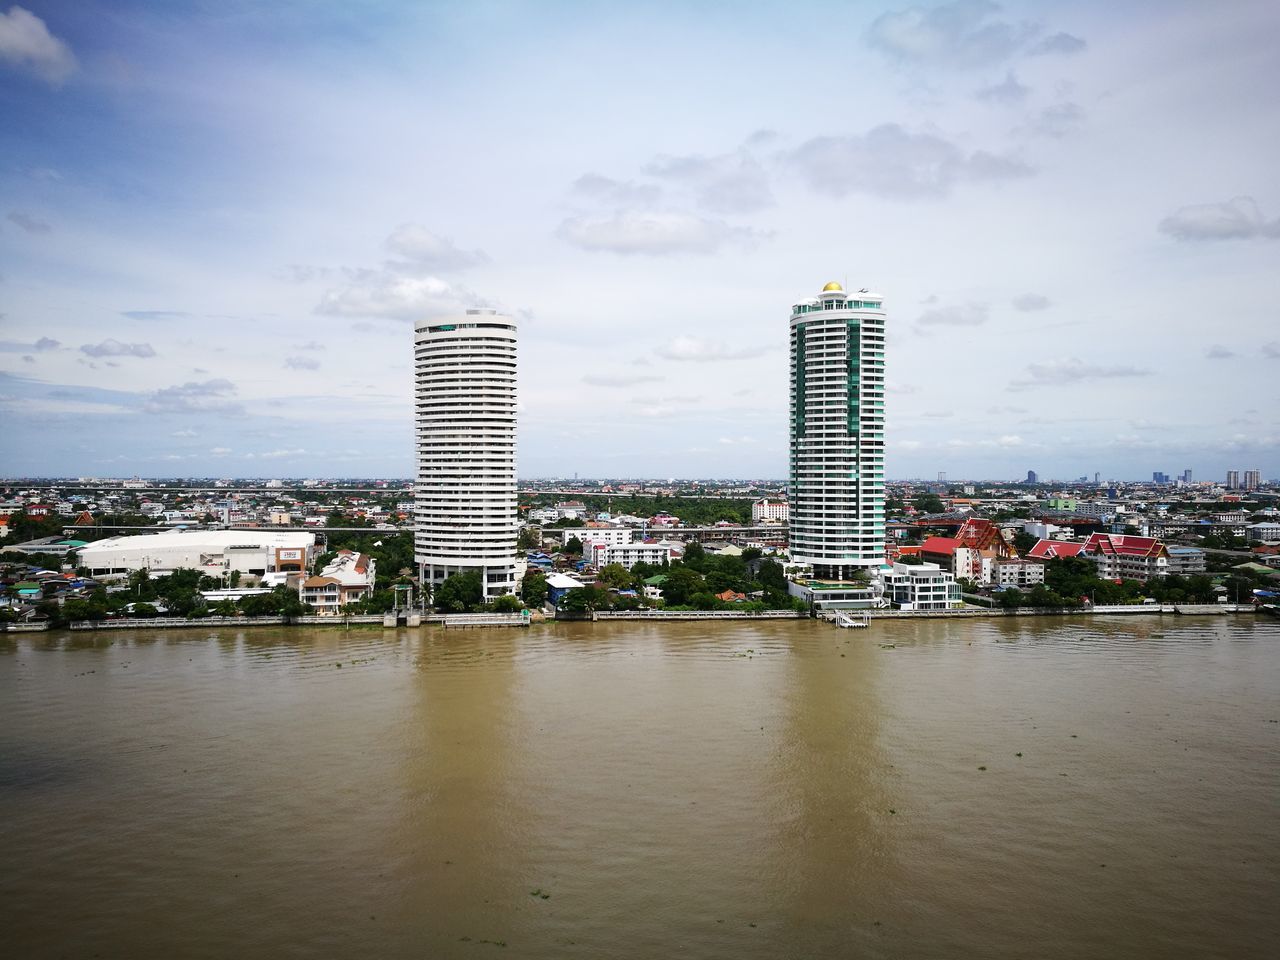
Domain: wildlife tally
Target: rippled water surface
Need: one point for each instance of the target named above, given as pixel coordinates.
(1018, 788)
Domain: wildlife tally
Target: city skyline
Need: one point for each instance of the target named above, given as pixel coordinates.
(217, 229)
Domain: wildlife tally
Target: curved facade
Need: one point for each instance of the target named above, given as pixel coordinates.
(465, 497)
(837, 432)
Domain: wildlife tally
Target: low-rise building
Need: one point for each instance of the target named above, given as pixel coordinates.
(922, 586)
(765, 510)
(1018, 573)
(348, 578)
(1186, 560)
(212, 552)
(1266, 532)
(629, 554)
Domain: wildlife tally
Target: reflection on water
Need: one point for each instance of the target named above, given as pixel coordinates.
(1012, 788)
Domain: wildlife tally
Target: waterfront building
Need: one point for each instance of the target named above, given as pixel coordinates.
(921, 586)
(465, 496)
(213, 552)
(348, 578)
(629, 554)
(836, 491)
(1185, 561)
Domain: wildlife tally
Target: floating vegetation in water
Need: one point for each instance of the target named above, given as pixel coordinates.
(891, 810)
(540, 894)
(1017, 754)
(888, 646)
(982, 768)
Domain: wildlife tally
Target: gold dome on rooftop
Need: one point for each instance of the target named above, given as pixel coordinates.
(832, 286)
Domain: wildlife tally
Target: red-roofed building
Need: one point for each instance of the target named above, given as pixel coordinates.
(1055, 550)
(1119, 557)
(972, 553)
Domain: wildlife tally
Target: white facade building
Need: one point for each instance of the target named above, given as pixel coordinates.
(1018, 573)
(766, 510)
(837, 432)
(465, 497)
(348, 578)
(212, 552)
(608, 535)
(923, 586)
(629, 554)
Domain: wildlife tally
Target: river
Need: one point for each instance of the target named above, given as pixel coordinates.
(1031, 787)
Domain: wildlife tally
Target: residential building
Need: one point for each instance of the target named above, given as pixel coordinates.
(765, 510)
(465, 495)
(924, 586)
(1233, 479)
(599, 534)
(836, 490)
(1268, 531)
(1018, 573)
(348, 578)
(1185, 561)
(558, 584)
(629, 554)
(1252, 479)
(1032, 477)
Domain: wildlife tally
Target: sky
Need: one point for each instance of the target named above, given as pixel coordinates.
(219, 221)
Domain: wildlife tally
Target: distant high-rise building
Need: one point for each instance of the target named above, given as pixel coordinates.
(1097, 477)
(1233, 479)
(465, 496)
(942, 476)
(1186, 475)
(1032, 477)
(837, 432)
(1252, 479)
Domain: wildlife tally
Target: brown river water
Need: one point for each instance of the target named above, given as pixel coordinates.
(1034, 788)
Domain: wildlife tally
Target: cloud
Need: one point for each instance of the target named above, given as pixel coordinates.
(597, 381)
(726, 184)
(1060, 42)
(616, 193)
(421, 248)
(183, 433)
(734, 441)
(150, 315)
(705, 351)
(654, 234)
(964, 33)
(115, 348)
(889, 161)
(1237, 219)
(312, 345)
(208, 396)
(969, 315)
(43, 345)
(1271, 349)
(1219, 352)
(1056, 373)
(1008, 90)
(301, 363)
(26, 43)
(22, 220)
(281, 453)
(382, 294)
(219, 451)
(1056, 121)
(901, 389)
(1030, 302)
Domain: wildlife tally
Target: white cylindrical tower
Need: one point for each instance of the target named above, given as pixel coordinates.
(465, 497)
(837, 432)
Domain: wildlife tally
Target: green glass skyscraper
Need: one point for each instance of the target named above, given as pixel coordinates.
(837, 432)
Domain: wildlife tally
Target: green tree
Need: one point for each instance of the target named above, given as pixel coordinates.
(460, 593)
(573, 546)
(534, 589)
(682, 583)
(615, 575)
(929, 503)
(694, 556)
(507, 604)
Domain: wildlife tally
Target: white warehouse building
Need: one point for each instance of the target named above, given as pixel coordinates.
(212, 552)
